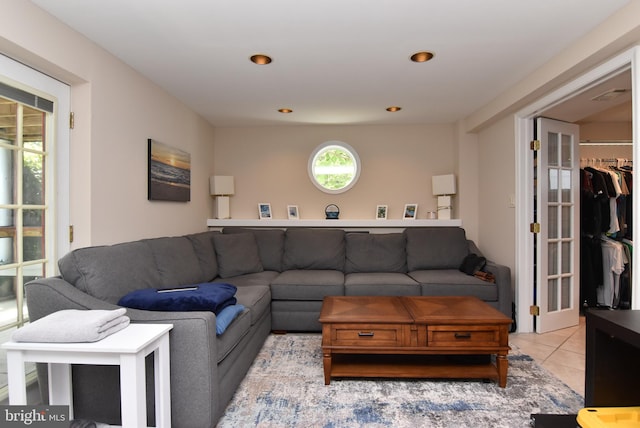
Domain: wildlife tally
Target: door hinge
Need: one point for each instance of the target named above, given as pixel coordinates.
(70, 233)
(534, 227)
(535, 145)
(534, 310)
(72, 120)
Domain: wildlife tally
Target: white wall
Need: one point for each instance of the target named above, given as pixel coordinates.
(117, 110)
(497, 183)
(270, 165)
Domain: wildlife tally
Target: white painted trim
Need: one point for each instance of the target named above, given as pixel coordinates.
(524, 197)
(635, 107)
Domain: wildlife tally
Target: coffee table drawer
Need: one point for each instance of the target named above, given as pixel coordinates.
(462, 336)
(367, 335)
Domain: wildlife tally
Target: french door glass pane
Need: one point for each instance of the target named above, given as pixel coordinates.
(33, 237)
(553, 258)
(553, 185)
(7, 236)
(7, 194)
(552, 222)
(566, 185)
(566, 257)
(567, 222)
(553, 149)
(33, 128)
(8, 295)
(32, 175)
(552, 297)
(8, 113)
(35, 271)
(566, 293)
(566, 154)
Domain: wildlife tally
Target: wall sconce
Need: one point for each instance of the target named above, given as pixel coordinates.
(443, 187)
(221, 187)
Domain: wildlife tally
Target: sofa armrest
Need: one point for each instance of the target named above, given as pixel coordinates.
(503, 282)
(193, 350)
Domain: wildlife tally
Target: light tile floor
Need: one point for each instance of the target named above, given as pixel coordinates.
(561, 352)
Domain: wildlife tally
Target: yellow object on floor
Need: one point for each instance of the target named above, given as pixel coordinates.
(609, 417)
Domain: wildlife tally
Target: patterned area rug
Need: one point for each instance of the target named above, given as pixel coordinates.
(285, 388)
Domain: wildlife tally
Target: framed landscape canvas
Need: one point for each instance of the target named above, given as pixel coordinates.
(169, 173)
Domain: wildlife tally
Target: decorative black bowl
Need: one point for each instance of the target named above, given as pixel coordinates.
(332, 212)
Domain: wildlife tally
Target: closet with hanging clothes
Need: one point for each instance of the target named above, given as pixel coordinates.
(606, 232)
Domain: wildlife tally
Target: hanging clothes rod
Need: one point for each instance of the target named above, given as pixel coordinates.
(617, 162)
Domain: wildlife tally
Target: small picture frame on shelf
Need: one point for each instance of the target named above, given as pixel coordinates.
(292, 212)
(381, 212)
(410, 212)
(264, 211)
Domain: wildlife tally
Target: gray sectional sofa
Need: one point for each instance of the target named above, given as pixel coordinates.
(281, 276)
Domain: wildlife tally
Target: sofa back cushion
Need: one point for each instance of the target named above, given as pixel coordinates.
(435, 247)
(270, 245)
(314, 249)
(110, 272)
(176, 261)
(237, 254)
(375, 252)
(203, 246)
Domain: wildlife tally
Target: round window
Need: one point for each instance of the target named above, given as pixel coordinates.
(334, 167)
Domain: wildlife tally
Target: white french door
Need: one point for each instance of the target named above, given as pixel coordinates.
(557, 212)
(34, 188)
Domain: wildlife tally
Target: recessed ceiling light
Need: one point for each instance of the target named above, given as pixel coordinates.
(285, 110)
(260, 59)
(394, 108)
(423, 56)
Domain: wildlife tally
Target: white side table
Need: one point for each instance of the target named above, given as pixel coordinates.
(126, 348)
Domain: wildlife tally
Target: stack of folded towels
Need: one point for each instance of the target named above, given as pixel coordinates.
(73, 325)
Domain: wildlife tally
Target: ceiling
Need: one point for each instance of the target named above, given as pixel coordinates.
(334, 61)
(591, 106)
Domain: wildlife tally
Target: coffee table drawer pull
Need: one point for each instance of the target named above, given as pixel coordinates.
(463, 335)
(365, 334)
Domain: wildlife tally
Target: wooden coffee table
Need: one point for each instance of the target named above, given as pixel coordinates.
(413, 337)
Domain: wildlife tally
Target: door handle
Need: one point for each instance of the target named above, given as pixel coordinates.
(365, 334)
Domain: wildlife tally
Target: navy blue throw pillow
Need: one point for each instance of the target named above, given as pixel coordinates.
(211, 296)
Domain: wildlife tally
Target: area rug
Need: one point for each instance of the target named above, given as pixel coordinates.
(285, 388)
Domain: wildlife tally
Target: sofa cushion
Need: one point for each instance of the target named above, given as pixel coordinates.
(199, 297)
(256, 298)
(322, 249)
(452, 282)
(375, 252)
(233, 335)
(176, 261)
(110, 272)
(435, 247)
(203, 246)
(380, 284)
(270, 245)
(237, 254)
(307, 285)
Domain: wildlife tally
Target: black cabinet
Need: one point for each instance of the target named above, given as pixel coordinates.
(612, 366)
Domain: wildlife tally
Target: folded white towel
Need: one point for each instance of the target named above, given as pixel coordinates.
(73, 325)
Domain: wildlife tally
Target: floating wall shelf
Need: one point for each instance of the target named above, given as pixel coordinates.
(339, 224)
